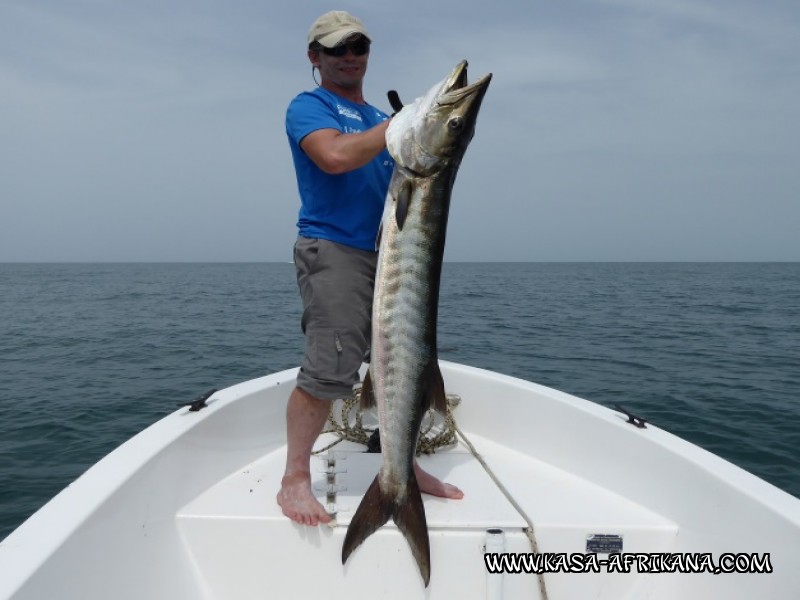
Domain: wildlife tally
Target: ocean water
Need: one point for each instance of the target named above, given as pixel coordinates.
(91, 354)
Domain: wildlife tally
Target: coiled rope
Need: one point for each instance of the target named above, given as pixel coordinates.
(438, 431)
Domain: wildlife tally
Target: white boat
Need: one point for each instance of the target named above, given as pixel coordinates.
(186, 511)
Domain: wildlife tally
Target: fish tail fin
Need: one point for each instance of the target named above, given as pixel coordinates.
(410, 519)
(377, 507)
(374, 510)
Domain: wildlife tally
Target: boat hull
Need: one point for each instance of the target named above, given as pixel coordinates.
(186, 509)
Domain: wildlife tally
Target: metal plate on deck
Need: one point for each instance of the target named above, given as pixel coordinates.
(482, 506)
(603, 543)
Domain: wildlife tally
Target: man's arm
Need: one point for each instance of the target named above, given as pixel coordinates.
(335, 152)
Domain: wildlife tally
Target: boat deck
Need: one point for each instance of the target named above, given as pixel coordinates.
(231, 530)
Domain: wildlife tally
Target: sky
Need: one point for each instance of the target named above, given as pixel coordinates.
(613, 130)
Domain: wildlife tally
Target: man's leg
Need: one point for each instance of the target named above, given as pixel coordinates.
(305, 418)
(336, 284)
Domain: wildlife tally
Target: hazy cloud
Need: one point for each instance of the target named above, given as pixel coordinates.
(613, 129)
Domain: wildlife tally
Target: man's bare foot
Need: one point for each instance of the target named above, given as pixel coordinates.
(297, 501)
(428, 484)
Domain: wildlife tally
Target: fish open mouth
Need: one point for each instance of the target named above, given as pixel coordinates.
(456, 87)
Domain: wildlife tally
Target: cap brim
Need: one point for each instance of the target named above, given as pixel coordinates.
(334, 39)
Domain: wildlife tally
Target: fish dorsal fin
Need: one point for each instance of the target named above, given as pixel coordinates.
(436, 395)
(402, 201)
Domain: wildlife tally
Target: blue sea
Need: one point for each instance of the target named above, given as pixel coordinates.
(91, 354)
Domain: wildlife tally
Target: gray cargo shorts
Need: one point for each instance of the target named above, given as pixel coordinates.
(336, 284)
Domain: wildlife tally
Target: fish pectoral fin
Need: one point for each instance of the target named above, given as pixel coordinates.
(367, 399)
(402, 201)
(376, 508)
(437, 399)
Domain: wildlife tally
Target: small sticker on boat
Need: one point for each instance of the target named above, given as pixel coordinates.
(603, 543)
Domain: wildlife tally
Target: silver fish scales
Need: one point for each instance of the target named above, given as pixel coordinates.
(427, 139)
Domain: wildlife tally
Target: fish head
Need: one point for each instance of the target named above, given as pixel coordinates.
(433, 132)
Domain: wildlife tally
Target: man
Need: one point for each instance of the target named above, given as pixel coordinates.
(343, 169)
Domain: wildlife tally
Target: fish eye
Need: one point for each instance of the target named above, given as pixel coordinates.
(455, 123)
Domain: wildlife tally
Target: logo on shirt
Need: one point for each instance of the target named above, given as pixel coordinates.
(348, 112)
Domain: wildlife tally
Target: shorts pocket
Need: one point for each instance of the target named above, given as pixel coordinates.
(306, 255)
(334, 356)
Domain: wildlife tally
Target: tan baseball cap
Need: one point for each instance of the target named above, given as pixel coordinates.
(334, 27)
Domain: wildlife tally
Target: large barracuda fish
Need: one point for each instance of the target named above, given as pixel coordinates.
(427, 140)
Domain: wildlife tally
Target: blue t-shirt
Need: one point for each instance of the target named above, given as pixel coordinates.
(345, 208)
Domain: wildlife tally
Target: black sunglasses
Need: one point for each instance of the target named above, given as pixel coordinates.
(359, 48)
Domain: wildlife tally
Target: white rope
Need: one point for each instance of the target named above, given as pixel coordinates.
(428, 443)
(529, 530)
